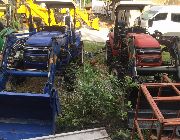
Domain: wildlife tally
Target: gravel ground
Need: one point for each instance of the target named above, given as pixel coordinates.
(94, 35)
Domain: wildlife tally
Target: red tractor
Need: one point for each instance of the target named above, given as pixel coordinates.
(134, 52)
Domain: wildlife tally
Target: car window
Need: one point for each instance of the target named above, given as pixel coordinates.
(148, 14)
(160, 16)
(175, 17)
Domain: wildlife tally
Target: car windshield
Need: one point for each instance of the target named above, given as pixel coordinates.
(148, 14)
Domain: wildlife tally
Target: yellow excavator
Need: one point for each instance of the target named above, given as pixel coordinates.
(39, 14)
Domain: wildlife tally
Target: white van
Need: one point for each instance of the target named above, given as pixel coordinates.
(165, 19)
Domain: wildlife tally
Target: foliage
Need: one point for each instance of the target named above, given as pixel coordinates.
(98, 100)
(93, 47)
(165, 56)
(121, 135)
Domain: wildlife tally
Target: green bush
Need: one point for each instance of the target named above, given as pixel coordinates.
(98, 100)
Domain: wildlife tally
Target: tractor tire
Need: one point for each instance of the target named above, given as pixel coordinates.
(70, 77)
(81, 55)
(117, 70)
(114, 71)
(108, 54)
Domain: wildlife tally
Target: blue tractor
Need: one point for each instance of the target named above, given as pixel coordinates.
(46, 53)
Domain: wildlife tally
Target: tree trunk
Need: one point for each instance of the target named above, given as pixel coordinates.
(114, 8)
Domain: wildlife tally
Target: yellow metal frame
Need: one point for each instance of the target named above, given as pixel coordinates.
(38, 11)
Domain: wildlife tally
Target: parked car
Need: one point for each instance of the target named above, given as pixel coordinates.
(165, 19)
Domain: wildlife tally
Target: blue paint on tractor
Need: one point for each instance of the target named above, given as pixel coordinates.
(43, 38)
(16, 131)
(27, 73)
(29, 115)
(26, 115)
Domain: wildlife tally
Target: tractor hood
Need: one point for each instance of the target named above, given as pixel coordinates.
(42, 38)
(144, 41)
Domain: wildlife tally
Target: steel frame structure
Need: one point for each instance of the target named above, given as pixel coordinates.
(157, 115)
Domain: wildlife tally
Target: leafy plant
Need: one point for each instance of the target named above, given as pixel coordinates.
(98, 100)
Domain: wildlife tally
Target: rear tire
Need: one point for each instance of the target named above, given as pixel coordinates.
(81, 55)
(108, 54)
(118, 70)
(114, 72)
(70, 77)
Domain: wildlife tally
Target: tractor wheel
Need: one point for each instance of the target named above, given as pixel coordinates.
(70, 77)
(81, 55)
(108, 54)
(114, 72)
(117, 71)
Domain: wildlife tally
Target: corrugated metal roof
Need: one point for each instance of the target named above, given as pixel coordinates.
(89, 134)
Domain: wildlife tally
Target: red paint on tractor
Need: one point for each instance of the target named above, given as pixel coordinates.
(144, 41)
(148, 46)
(115, 52)
(155, 60)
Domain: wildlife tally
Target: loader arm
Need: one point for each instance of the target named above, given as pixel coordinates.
(36, 11)
(26, 115)
(82, 14)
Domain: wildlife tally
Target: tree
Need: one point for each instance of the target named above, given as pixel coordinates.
(114, 8)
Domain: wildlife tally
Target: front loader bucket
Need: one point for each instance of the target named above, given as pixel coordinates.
(26, 115)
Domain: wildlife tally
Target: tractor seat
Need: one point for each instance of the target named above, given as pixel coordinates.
(61, 29)
(136, 29)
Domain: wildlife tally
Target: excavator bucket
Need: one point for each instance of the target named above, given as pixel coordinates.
(27, 115)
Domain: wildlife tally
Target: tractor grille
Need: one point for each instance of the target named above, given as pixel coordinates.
(148, 51)
(150, 60)
(39, 59)
(149, 56)
(36, 54)
(36, 57)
